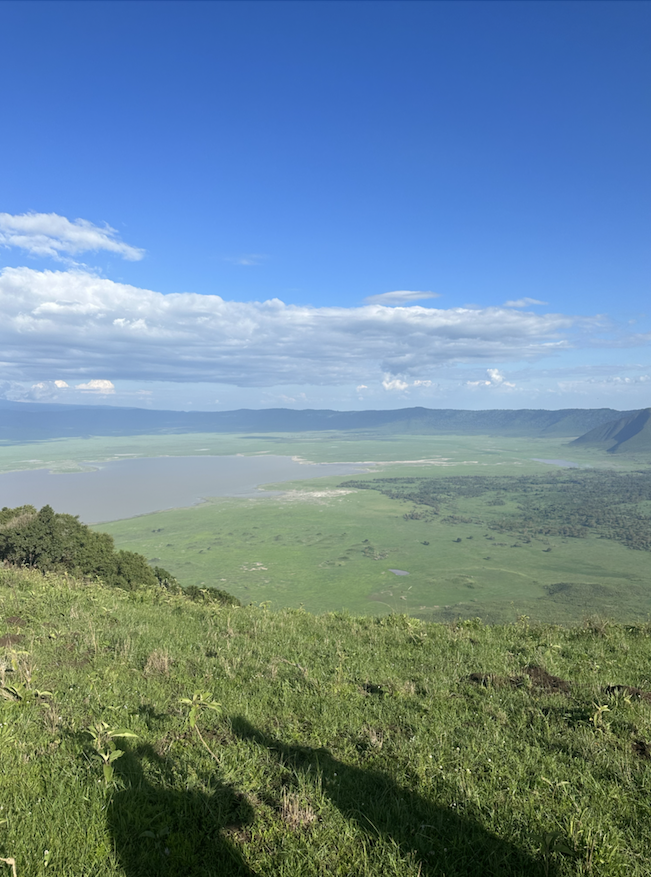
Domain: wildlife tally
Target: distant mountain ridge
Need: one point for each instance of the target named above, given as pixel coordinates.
(628, 434)
(31, 421)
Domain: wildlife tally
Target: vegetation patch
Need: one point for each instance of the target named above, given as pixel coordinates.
(147, 733)
(601, 503)
(51, 542)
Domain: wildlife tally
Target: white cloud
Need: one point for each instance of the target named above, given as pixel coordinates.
(495, 379)
(42, 391)
(97, 386)
(77, 325)
(523, 303)
(422, 383)
(91, 392)
(390, 383)
(611, 383)
(361, 387)
(498, 378)
(399, 297)
(48, 234)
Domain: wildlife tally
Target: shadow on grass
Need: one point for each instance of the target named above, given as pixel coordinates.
(443, 841)
(159, 831)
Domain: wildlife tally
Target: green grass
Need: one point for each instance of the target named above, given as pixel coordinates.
(320, 447)
(342, 745)
(328, 553)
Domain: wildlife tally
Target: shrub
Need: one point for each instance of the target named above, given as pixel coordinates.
(54, 542)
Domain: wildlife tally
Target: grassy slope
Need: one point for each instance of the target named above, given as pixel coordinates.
(342, 745)
(627, 435)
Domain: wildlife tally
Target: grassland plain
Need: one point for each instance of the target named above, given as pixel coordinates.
(321, 447)
(145, 734)
(327, 548)
(336, 551)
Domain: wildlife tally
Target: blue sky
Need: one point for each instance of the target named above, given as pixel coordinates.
(167, 168)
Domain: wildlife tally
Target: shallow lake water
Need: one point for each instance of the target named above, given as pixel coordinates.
(126, 488)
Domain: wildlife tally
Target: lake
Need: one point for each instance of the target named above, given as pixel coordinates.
(126, 488)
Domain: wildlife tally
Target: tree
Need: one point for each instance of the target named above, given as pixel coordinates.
(49, 541)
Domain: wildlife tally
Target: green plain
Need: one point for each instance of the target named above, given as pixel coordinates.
(324, 548)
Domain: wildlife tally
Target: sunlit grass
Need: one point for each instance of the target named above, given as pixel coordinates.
(328, 744)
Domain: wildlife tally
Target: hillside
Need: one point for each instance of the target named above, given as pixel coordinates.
(144, 734)
(629, 434)
(22, 422)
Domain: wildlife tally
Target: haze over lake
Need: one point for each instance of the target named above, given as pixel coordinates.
(126, 488)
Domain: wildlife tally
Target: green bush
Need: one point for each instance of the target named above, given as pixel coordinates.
(54, 542)
(210, 595)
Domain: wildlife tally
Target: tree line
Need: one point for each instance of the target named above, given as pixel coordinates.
(571, 503)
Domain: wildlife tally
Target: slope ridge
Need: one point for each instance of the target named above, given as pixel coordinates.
(629, 434)
(20, 422)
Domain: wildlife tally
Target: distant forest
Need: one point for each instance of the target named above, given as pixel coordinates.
(570, 503)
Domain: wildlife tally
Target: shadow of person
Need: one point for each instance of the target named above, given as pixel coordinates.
(443, 842)
(159, 831)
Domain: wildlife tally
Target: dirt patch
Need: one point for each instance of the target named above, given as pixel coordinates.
(16, 621)
(491, 680)
(630, 691)
(539, 677)
(11, 639)
(641, 748)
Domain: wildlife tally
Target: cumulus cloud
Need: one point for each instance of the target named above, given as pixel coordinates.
(523, 303)
(498, 378)
(96, 386)
(42, 391)
(495, 379)
(399, 297)
(44, 388)
(93, 392)
(79, 325)
(390, 383)
(48, 234)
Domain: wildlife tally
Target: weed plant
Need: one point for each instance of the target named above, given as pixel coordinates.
(143, 733)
